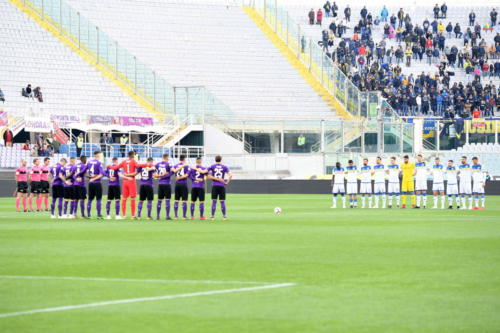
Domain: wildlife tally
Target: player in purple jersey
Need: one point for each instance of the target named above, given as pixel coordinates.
(69, 190)
(114, 191)
(164, 190)
(181, 171)
(217, 173)
(146, 191)
(57, 188)
(79, 183)
(197, 176)
(95, 172)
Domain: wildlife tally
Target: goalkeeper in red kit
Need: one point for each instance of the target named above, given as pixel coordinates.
(129, 166)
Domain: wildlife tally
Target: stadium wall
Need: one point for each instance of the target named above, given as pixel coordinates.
(262, 186)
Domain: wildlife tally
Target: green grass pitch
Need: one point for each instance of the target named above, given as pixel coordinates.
(354, 270)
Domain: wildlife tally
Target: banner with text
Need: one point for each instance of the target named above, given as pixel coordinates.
(4, 118)
(39, 125)
(135, 121)
(105, 120)
(64, 120)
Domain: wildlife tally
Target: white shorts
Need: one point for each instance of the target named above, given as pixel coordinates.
(478, 188)
(393, 188)
(452, 189)
(379, 188)
(365, 188)
(421, 185)
(352, 188)
(438, 187)
(465, 188)
(338, 188)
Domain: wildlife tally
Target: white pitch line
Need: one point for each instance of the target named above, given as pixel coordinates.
(81, 278)
(145, 299)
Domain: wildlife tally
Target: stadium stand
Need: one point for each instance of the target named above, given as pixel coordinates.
(244, 69)
(31, 55)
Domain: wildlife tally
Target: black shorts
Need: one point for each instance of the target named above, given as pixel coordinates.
(36, 187)
(45, 187)
(146, 193)
(95, 191)
(80, 193)
(164, 192)
(22, 187)
(57, 191)
(114, 192)
(197, 193)
(218, 192)
(69, 193)
(181, 192)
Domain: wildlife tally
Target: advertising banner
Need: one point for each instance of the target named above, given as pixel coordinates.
(64, 120)
(38, 125)
(4, 119)
(135, 121)
(105, 120)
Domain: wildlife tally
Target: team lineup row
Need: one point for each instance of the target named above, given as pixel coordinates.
(69, 191)
(410, 178)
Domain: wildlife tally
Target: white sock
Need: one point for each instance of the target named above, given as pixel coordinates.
(464, 204)
(390, 199)
(476, 201)
(450, 200)
(457, 199)
(384, 200)
(343, 201)
(443, 200)
(483, 199)
(334, 202)
(375, 200)
(398, 199)
(470, 202)
(370, 198)
(419, 196)
(435, 201)
(363, 201)
(424, 199)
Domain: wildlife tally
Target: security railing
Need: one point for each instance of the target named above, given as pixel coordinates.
(125, 67)
(357, 103)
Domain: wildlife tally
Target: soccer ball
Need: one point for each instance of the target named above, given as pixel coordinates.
(277, 210)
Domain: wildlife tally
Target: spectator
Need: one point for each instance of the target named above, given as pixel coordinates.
(347, 14)
(476, 113)
(38, 94)
(335, 8)
(2, 96)
(472, 18)
(39, 142)
(436, 11)
(303, 43)
(363, 12)
(449, 29)
(311, 16)
(493, 17)
(384, 13)
(102, 143)
(79, 144)
(327, 7)
(458, 31)
(26, 146)
(109, 142)
(27, 92)
(319, 17)
(401, 16)
(8, 137)
(444, 9)
(56, 144)
(408, 54)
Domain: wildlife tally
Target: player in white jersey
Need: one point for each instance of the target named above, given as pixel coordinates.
(393, 187)
(465, 174)
(452, 184)
(379, 182)
(352, 184)
(421, 174)
(365, 188)
(438, 183)
(338, 178)
(479, 179)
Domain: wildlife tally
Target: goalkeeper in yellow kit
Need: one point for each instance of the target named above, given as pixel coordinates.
(407, 184)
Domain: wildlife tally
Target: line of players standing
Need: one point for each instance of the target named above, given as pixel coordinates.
(70, 193)
(411, 179)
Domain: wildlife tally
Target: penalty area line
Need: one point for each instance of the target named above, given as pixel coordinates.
(145, 299)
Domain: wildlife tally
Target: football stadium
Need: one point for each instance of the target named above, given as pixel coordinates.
(249, 166)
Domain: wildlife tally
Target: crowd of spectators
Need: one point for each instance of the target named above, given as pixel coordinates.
(36, 93)
(450, 48)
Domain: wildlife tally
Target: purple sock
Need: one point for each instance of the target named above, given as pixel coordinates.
(72, 207)
(150, 206)
(53, 206)
(139, 209)
(82, 207)
(176, 208)
(117, 207)
(167, 207)
(89, 207)
(184, 209)
(223, 207)
(60, 206)
(202, 209)
(214, 205)
(98, 204)
(108, 207)
(191, 208)
(65, 207)
(158, 209)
